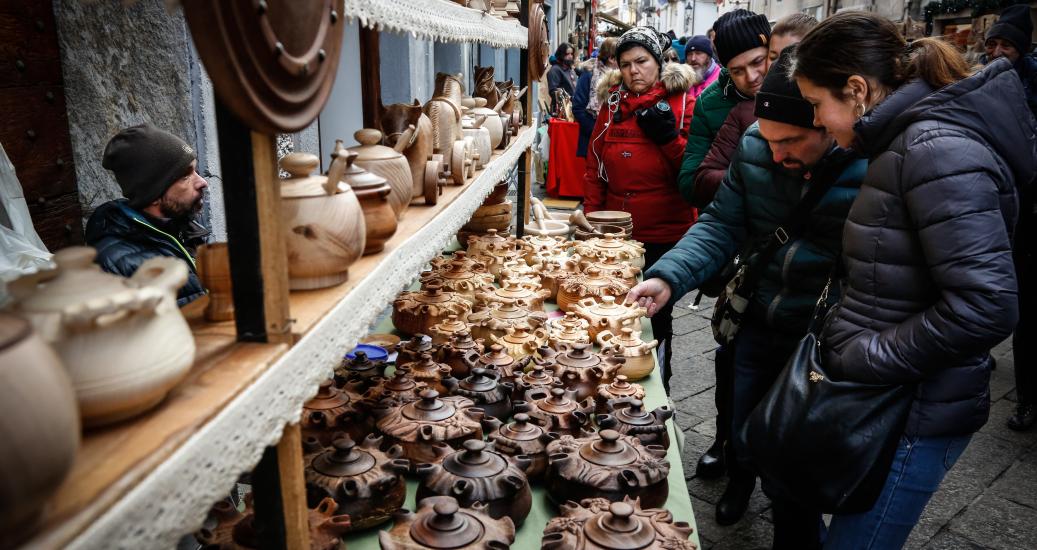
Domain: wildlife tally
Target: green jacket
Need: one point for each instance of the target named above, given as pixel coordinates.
(756, 197)
(711, 110)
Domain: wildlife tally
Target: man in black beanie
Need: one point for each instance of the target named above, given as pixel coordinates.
(163, 193)
(1010, 37)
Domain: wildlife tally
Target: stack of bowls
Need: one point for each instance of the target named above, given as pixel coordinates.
(606, 221)
(495, 213)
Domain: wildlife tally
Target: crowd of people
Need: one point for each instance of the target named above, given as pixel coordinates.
(835, 185)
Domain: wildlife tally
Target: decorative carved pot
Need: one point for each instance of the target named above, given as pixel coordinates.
(523, 438)
(611, 245)
(124, 342)
(552, 274)
(617, 394)
(410, 350)
(638, 353)
(373, 193)
(529, 280)
(557, 411)
(590, 284)
(609, 315)
(235, 530)
(428, 427)
(520, 343)
(566, 334)
(417, 312)
(539, 245)
(388, 163)
(461, 353)
(480, 474)
(440, 524)
(579, 369)
(607, 465)
(485, 388)
(443, 331)
(431, 374)
(499, 360)
(496, 319)
(361, 370)
(335, 410)
(519, 269)
(537, 378)
(597, 524)
(634, 420)
(612, 267)
(513, 293)
(490, 244)
(463, 276)
(366, 482)
(398, 390)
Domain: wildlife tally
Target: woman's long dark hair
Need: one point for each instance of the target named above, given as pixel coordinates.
(869, 45)
(561, 50)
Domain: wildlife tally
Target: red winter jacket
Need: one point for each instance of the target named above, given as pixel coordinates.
(636, 175)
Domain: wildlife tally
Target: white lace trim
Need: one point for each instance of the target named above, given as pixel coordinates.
(438, 20)
(175, 498)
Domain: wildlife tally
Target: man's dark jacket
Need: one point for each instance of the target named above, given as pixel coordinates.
(930, 285)
(124, 238)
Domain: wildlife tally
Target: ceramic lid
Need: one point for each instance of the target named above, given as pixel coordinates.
(480, 380)
(462, 339)
(475, 461)
(521, 429)
(627, 338)
(429, 408)
(418, 343)
(619, 525)
(608, 449)
(457, 269)
(635, 414)
(578, 357)
(300, 184)
(512, 290)
(401, 381)
(345, 460)
(446, 527)
(360, 363)
(360, 179)
(573, 320)
(431, 293)
(510, 311)
(77, 279)
(491, 236)
(557, 403)
(519, 335)
(370, 147)
(496, 357)
(328, 397)
(451, 324)
(608, 307)
(424, 365)
(620, 387)
(538, 375)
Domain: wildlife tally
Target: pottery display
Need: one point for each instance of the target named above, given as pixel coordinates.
(492, 123)
(123, 341)
(360, 370)
(610, 315)
(426, 429)
(234, 530)
(478, 473)
(431, 374)
(535, 379)
(607, 465)
(408, 351)
(417, 312)
(580, 369)
(460, 276)
(443, 331)
(617, 393)
(513, 293)
(427, 170)
(552, 274)
(387, 162)
(633, 419)
(494, 320)
(373, 193)
(612, 267)
(461, 353)
(214, 273)
(557, 410)
(519, 342)
(567, 335)
(444, 111)
(401, 388)
(324, 226)
(488, 391)
(499, 360)
(597, 524)
(638, 354)
(334, 410)
(41, 433)
(522, 437)
(366, 482)
(440, 524)
(592, 283)
(610, 245)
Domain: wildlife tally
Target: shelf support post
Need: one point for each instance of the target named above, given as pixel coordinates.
(525, 164)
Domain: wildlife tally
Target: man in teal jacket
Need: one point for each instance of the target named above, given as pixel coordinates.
(768, 176)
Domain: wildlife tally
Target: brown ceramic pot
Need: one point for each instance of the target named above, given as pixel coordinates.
(443, 331)
(617, 393)
(537, 378)
(460, 276)
(373, 192)
(597, 524)
(408, 351)
(580, 369)
(513, 293)
(334, 410)
(388, 163)
(427, 372)
(485, 388)
(592, 283)
(399, 389)
(417, 312)
(440, 524)
(489, 321)
(426, 429)
(609, 314)
(523, 437)
(461, 353)
(520, 342)
(361, 370)
(634, 420)
(556, 410)
(235, 530)
(499, 360)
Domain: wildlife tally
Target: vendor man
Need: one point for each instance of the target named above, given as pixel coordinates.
(163, 193)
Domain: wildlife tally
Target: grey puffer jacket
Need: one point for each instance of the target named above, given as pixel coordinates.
(930, 285)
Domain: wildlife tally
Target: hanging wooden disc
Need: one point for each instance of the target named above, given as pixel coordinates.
(272, 62)
(539, 48)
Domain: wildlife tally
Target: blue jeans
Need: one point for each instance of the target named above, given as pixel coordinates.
(918, 468)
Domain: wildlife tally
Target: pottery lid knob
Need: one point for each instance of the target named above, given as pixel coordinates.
(521, 418)
(609, 436)
(428, 395)
(621, 381)
(433, 289)
(496, 349)
(621, 519)
(368, 136)
(343, 447)
(627, 331)
(609, 300)
(579, 349)
(360, 357)
(474, 446)
(324, 390)
(445, 515)
(636, 405)
(299, 165)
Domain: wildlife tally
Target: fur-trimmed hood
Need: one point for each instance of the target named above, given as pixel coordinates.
(677, 78)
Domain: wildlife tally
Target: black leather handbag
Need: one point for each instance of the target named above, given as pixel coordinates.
(825, 444)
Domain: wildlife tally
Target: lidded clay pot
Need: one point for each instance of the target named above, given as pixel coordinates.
(523, 437)
(461, 353)
(366, 482)
(569, 321)
(41, 434)
(609, 315)
(607, 465)
(388, 163)
(399, 389)
(373, 192)
(638, 354)
(537, 378)
(462, 277)
(440, 524)
(124, 342)
(556, 410)
(334, 410)
(552, 274)
(485, 388)
(618, 393)
(543, 246)
(519, 342)
(498, 359)
(597, 524)
(408, 351)
(513, 293)
(324, 227)
(579, 369)
(634, 420)
(592, 283)
(428, 427)
(567, 335)
(491, 240)
(519, 269)
(480, 474)
(612, 245)
(417, 312)
(431, 374)
(612, 267)
(493, 121)
(468, 262)
(359, 369)
(495, 319)
(443, 331)
(235, 530)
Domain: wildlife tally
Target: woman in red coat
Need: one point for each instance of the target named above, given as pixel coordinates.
(636, 149)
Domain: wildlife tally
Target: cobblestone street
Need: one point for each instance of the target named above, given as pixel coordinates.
(988, 500)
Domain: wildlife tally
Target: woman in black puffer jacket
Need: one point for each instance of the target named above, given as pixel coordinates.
(930, 284)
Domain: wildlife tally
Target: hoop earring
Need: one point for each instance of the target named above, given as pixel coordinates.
(859, 107)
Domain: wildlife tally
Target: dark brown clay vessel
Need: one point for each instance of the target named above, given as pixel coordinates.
(462, 353)
(431, 374)
(634, 420)
(360, 369)
(429, 427)
(416, 312)
(440, 524)
(597, 524)
(234, 530)
(399, 389)
(619, 393)
(409, 351)
(524, 437)
(580, 369)
(335, 410)
(557, 411)
(489, 393)
(536, 378)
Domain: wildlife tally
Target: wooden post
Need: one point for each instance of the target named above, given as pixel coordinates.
(279, 495)
(526, 160)
(370, 77)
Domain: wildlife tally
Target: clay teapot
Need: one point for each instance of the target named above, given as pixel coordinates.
(373, 193)
(366, 482)
(617, 393)
(408, 351)
(494, 320)
(440, 524)
(612, 267)
(520, 342)
(428, 427)
(522, 437)
(124, 342)
(480, 474)
(580, 369)
(638, 354)
(567, 334)
(607, 465)
(359, 369)
(235, 530)
(596, 524)
(431, 374)
(634, 420)
(535, 379)
(42, 434)
(468, 262)
(462, 277)
(609, 315)
(521, 278)
(516, 269)
(611, 245)
(461, 353)
(335, 410)
(592, 283)
(485, 388)
(557, 410)
(443, 331)
(417, 312)
(538, 245)
(388, 163)
(399, 389)
(499, 360)
(428, 173)
(552, 274)
(491, 240)
(511, 293)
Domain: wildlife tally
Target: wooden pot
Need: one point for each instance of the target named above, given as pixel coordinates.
(388, 163)
(373, 193)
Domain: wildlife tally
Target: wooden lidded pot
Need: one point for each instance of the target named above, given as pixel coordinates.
(488, 391)
(388, 163)
(524, 437)
(441, 524)
(429, 427)
(417, 312)
(632, 418)
(622, 525)
(373, 192)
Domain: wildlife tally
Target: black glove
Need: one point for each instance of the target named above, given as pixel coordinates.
(658, 123)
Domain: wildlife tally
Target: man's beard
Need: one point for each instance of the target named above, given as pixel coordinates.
(180, 211)
(700, 72)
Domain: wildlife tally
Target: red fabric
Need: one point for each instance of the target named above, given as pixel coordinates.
(642, 176)
(564, 168)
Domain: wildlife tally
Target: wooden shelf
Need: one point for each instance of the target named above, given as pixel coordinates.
(174, 462)
(438, 20)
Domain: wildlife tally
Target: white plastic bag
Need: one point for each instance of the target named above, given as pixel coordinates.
(21, 250)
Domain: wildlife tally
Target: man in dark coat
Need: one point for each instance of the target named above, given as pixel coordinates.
(562, 76)
(163, 192)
